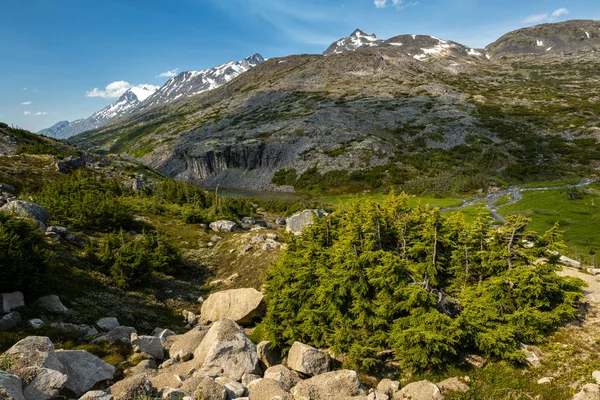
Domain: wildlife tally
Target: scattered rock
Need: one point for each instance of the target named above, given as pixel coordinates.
(171, 394)
(187, 342)
(297, 222)
(375, 395)
(34, 351)
(57, 229)
(148, 367)
(26, 209)
(570, 262)
(42, 383)
(307, 360)
(227, 351)
(211, 390)
(84, 370)
(542, 381)
(10, 320)
(96, 395)
(452, 385)
(132, 388)
(74, 330)
(215, 238)
(233, 388)
(10, 387)
(531, 355)
(223, 226)
(150, 345)
(268, 355)
(591, 391)
(119, 334)
(267, 389)
(13, 300)
(163, 334)
(388, 387)
(280, 221)
(246, 249)
(5, 187)
(475, 360)
(422, 390)
(241, 305)
(52, 303)
(108, 324)
(281, 374)
(35, 323)
(247, 378)
(330, 385)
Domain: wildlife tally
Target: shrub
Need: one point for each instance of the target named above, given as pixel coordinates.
(428, 286)
(23, 257)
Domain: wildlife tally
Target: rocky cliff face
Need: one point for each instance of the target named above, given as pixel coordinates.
(395, 104)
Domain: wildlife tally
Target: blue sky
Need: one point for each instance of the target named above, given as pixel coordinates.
(54, 52)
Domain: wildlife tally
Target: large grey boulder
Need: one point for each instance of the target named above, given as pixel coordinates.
(26, 209)
(227, 351)
(388, 387)
(42, 383)
(10, 387)
(52, 303)
(330, 385)
(211, 390)
(188, 342)
(132, 388)
(13, 300)
(267, 389)
(150, 345)
(267, 354)
(281, 374)
(307, 360)
(297, 222)
(223, 226)
(10, 320)
(108, 324)
(241, 305)
(84, 370)
(34, 351)
(421, 390)
(119, 334)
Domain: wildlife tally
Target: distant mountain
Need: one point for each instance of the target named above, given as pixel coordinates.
(126, 104)
(191, 83)
(569, 37)
(355, 41)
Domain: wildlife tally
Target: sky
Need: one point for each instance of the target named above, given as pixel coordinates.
(66, 59)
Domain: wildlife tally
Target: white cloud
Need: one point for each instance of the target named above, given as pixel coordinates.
(395, 3)
(26, 103)
(559, 12)
(38, 113)
(114, 89)
(169, 74)
(41, 113)
(27, 113)
(545, 17)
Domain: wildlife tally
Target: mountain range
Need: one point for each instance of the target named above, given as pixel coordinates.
(139, 98)
(418, 111)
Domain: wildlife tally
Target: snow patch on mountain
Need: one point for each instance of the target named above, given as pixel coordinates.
(353, 42)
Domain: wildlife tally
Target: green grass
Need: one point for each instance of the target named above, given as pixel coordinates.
(345, 199)
(550, 184)
(578, 218)
(503, 200)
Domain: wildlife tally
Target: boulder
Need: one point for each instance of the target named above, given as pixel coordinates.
(26, 209)
(119, 334)
(281, 374)
(233, 388)
(61, 230)
(148, 367)
(132, 388)
(52, 303)
(150, 345)
(96, 395)
(84, 370)
(77, 331)
(388, 387)
(375, 395)
(421, 390)
(189, 342)
(452, 385)
(108, 324)
(267, 389)
(591, 391)
(247, 378)
(307, 360)
(5, 187)
(596, 376)
(34, 351)
(267, 355)
(330, 385)
(10, 320)
(280, 221)
(10, 301)
(223, 226)
(10, 387)
(42, 383)
(241, 305)
(163, 334)
(297, 222)
(227, 351)
(170, 393)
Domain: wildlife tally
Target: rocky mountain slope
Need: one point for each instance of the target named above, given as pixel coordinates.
(125, 105)
(426, 113)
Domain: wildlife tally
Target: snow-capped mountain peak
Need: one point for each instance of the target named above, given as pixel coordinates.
(142, 92)
(355, 41)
